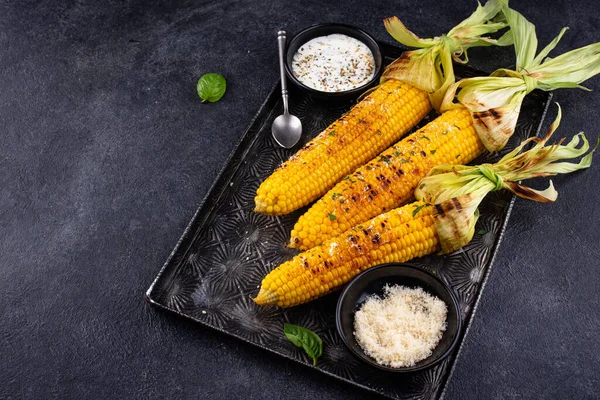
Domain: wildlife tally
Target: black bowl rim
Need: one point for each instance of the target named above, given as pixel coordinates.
(362, 356)
(349, 92)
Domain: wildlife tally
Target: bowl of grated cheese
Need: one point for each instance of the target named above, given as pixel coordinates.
(398, 318)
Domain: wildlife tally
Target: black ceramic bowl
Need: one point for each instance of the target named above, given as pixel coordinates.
(372, 282)
(329, 29)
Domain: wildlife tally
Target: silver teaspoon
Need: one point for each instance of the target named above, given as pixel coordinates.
(286, 128)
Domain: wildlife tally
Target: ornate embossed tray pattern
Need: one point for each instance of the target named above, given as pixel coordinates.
(227, 249)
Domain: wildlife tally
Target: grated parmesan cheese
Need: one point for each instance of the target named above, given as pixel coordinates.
(402, 328)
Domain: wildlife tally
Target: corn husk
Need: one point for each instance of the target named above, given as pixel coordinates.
(430, 67)
(456, 190)
(495, 101)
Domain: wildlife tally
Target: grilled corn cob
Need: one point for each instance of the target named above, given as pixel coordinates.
(443, 217)
(368, 128)
(396, 236)
(390, 179)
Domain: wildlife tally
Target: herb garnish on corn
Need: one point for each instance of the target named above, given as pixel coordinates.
(443, 218)
(484, 118)
(409, 87)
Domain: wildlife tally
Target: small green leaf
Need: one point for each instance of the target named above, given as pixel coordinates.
(396, 153)
(211, 87)
(458, 155)
(379, 133)
(482, 232)
(385, 159)
(332, 133)
(306, 339)
(426, 137)
(332, 217)
(445, 133)
(347, 178)
(403, 161)
(433, 151)
(419, 208)
(422, 186)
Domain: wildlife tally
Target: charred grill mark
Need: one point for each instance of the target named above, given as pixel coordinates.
(423, 153)
(376, 238)
(457, 204)
(373, 192)
(526, 193)
(491, 118)
(439, 209)
(399, 64)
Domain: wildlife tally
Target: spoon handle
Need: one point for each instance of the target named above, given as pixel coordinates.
(281, 38)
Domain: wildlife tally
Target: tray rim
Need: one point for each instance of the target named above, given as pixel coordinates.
(452, 360)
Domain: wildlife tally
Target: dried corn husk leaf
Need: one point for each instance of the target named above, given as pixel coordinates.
(495, 101)
(430, 67)
(457, 190)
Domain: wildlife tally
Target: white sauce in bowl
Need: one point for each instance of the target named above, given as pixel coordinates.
(334, 63)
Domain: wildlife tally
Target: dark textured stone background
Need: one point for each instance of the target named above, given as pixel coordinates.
(106, 152)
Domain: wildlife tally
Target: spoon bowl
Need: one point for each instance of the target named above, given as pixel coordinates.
(287, 130)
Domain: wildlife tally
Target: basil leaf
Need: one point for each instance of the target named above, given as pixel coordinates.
(306, 339)
(211, 87)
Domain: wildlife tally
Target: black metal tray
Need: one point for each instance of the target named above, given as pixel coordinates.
(227, 249)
